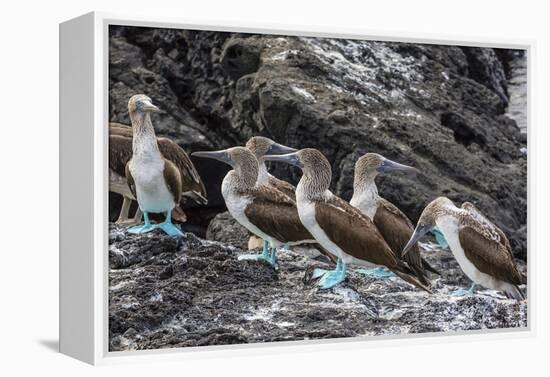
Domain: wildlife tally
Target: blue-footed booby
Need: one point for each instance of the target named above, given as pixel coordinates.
(339, 227)
(262, 209)
(394, 225)
(120, 152)
(480, 247)
(159, 172)
(261, 146)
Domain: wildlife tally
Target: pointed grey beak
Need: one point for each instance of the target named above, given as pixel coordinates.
(222, 156)
(277, 148)
(389, 166)
(148, 106)
(419, 232)
(289, 158)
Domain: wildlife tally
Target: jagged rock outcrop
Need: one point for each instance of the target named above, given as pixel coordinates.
(224, 228)
(192, 292)
(439, 108)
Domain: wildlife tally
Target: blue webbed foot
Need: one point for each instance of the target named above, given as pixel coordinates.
(440, 238)
(464, 292)
(333, 278)
(169, 228)
(379, 272)
(460, 292)
(318, 272)
(273, 257)
(270, 258)
(142, 228)
(254, 257)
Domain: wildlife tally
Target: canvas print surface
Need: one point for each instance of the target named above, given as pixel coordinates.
(269, 188)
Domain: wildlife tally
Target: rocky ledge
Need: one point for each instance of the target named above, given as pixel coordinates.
(166, 293)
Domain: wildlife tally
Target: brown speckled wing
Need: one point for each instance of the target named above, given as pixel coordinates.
(120, 152)
(353, 232)
(173, 179)
(470, 207)
(190, 179)
(130, 179)
(397, 229)
(275, 214)
(120, 129)
(283, 186)
(488, 256)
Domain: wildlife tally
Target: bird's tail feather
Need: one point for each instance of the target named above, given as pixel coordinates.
(196, 196)
(406, 274)
(428, 267)
(514, 292)
(421, 275)
(179, 215)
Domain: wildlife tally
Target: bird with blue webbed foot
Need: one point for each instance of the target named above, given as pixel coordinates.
(262, 209)
(120, 153)
(480, 247)
(157, 182)
(260, 146)
(394, 225)
(338, 226)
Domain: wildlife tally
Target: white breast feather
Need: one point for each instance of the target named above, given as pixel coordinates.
(152, 192)
(236, 205)
(366, 201)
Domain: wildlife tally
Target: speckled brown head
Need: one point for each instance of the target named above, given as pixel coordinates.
(437, 207)
(370, 165)
(241, 159)
(427, 222)
(315, 166)
(141, 104)
(261, 146)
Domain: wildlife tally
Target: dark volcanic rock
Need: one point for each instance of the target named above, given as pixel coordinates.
(485, 67)
(439, 108)
(195, 292)
(224, 228)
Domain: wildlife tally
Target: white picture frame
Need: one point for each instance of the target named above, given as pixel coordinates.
(84, 199)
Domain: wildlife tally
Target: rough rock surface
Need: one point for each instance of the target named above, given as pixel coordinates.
(440, 108)
(224, 228)
(167, 293)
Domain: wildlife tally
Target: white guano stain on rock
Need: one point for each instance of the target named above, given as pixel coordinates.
(304, 93)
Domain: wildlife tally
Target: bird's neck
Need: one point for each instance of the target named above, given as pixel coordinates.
(263, 174)
(242, 179)
(365, 195)
(313, 185)
(448, 225)
(365, 185)
(144, 143)
(448, 219)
